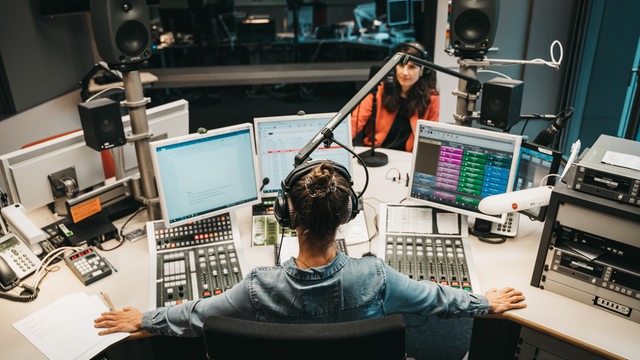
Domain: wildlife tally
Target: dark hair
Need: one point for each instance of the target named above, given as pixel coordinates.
(418, 97)
(320, 202)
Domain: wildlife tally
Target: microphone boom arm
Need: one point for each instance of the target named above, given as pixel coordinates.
(326, 133)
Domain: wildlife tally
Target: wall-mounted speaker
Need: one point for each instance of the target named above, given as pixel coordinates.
(102, 124)
(121, 29)
(501, 103)
(473, 26)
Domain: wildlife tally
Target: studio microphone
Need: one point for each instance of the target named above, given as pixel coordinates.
(546, 136)
(265, 181)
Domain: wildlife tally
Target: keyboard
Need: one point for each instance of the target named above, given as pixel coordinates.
(193, 261)
(410, 243)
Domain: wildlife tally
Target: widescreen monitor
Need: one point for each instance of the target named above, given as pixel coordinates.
(398, 12)
(534, 164)
(280, 138)
(454, 167)
(204, 175)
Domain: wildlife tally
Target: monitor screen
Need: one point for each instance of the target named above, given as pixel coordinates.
(280, 138)
(536, 162)
(203, 175)
(454, 167)
(398, 12)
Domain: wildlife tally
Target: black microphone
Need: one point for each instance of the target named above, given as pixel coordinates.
(265, 181)
(546, 136)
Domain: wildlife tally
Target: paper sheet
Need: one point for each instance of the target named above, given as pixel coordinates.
(64, 329)
(622, 160)
(447, 223)
(409, 219)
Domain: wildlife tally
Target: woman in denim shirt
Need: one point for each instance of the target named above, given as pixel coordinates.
(320, 284)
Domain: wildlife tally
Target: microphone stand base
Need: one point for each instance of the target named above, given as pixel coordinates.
(374, 159)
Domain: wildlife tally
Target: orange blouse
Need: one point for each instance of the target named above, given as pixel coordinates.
(384, 119)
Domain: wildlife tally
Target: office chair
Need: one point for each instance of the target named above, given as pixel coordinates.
(378, 338)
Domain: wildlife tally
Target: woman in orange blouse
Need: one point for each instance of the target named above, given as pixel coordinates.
(399, 105)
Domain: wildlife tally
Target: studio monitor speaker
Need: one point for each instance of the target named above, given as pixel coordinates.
(102, 124)
(501, 103)
(121, 29)
(473, 26)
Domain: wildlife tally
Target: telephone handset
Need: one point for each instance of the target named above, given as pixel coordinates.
(17, 261)
(8, 278)
(496, 233)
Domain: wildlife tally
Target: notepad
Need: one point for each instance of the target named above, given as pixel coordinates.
(64, 329)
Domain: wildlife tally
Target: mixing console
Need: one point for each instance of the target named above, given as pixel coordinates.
(436, 259)
(193, 261)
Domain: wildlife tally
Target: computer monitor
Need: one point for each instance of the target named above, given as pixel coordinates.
(202, 175)
(25, 173)
(398, 12)
(279, 138)
(454, 167)
(536, 162)
(165, 121)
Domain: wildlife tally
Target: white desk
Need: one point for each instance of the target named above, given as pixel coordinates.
(507, 264)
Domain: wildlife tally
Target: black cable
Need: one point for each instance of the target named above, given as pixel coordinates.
(26, 295)
(366, 171)
(4, 198)
(488, 237)
(280, 247)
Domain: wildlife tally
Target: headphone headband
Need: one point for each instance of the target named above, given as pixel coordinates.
(283, 211)
(423, 53)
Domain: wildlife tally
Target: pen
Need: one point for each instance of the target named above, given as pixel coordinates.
(107, 300)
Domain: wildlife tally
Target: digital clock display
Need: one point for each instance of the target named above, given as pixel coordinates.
(81, 254)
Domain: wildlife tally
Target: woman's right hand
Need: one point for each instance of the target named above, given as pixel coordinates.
(505, 299)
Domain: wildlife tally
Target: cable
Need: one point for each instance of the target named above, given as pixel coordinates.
(280, 247)
(487, 237)
(104, 91)
(30, 292)
(366, 171)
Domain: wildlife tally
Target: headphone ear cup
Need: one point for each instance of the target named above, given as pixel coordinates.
(292, 214)
(281, 210)
(352, 208)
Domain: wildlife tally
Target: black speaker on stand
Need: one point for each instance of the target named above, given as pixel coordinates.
(473, 26)
(501, 103)
(102, 124)
(122, 31)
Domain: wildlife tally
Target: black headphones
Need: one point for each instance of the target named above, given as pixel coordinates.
(422, 54)
(282, 209)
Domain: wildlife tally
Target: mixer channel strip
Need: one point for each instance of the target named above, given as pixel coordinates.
(429, 258)
(196, 273)
(207, 231)
(193, 261)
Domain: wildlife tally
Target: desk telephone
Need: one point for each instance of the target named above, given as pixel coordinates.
(17, 261)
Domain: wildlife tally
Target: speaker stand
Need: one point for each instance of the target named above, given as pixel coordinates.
(140, 135)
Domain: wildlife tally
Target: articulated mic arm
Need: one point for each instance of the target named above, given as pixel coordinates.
(326, 133)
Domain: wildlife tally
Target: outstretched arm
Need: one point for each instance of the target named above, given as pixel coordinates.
(505, 299)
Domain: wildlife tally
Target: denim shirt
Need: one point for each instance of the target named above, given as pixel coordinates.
(343, 290)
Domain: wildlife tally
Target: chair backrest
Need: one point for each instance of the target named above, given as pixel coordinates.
(378, 338)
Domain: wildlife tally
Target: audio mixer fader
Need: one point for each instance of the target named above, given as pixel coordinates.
(193, 261)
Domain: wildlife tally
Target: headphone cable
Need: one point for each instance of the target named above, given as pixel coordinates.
(366, 171)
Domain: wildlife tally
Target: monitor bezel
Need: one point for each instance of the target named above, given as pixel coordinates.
(271, 119)
(466, 130)
(169, 223)
(408, 12)
(539, 213)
